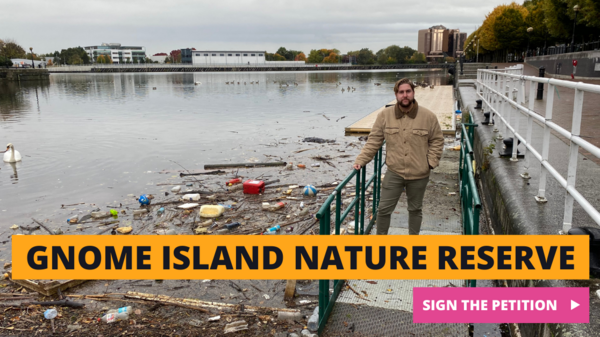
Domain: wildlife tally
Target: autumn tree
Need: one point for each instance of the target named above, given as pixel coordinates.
(12, 50)
(300, 57)
(49, 63)
(510, 30)
(332, 58)
(417, 58)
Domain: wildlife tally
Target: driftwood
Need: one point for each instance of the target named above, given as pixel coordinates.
(61, 303)
(42, 225)
(246, 165)
(194, 303)
(27, 228)
(290, 290)
(202, 173)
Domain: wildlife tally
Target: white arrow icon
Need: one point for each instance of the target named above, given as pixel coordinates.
(574, 304)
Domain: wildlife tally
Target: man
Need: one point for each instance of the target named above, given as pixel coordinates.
(414, 143)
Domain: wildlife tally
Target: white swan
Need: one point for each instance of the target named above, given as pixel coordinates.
(13, 156)
(196, 83)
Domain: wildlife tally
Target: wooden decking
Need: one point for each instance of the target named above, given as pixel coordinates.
(439, 100)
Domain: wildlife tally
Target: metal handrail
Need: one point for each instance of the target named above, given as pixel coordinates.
(358, 203)
(503, 92)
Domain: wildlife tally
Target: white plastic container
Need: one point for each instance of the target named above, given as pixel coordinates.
(100, 215)
(191, 197)
(211, 211)
(176, 189)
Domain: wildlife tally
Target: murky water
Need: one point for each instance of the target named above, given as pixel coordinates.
(95, 138)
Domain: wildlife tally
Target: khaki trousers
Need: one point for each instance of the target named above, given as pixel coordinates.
(391, 190)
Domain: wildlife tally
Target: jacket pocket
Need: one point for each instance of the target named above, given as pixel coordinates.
(420, 132)
(391, 131)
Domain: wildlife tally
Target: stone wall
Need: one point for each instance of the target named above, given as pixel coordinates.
(8, 74)
(561, 65)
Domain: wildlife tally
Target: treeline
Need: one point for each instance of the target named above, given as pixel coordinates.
(70, 56)
(390, 55)
(505, 29)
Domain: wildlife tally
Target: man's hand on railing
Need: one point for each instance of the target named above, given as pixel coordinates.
(356, 167)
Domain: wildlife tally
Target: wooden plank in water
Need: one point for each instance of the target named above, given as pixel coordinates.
(439, 100)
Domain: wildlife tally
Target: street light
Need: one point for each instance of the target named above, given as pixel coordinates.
(32, 65)
(529, 30)
(576, 9)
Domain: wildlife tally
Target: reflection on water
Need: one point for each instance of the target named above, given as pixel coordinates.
(17, 98)
(96, 138)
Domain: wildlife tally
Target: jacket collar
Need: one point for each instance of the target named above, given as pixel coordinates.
(412, 113)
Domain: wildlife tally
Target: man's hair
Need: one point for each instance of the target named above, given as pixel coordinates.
(403, 81)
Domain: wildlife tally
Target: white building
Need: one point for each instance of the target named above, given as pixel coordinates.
(117, 53)
(198, 57)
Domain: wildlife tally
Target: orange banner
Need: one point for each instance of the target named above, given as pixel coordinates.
(300, 257)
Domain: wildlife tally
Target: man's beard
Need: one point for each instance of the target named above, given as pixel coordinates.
(405, 106)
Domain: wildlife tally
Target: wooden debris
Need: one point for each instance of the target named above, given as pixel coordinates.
(247, 165)
(290, 290)
(47, 288)
(194, 303)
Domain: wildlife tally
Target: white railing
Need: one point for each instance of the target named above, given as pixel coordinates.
(503, 91)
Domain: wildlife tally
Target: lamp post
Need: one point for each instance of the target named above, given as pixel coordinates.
(529, 30)
(32, 65)
(576, 9)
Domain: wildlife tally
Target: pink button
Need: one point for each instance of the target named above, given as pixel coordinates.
(501, 305)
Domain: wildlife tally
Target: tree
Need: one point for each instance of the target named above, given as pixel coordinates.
(11, 50)
(300, 57)
(315, 56)
(100, 59)
(510, 29)
(5, 62)
(394, 54)
(49, 63)
(365, 56)
(332, 58)
(418, 58)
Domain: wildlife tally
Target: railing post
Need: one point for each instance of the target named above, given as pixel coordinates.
(520, 102)
(357, 204)
(541, 197)
(574, 151)
(525, 174)
(362, 199)
(375, 170)
(338, 210)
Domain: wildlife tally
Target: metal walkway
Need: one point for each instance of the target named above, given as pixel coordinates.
(386, 309)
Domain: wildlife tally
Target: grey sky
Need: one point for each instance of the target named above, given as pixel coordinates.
(164, 25)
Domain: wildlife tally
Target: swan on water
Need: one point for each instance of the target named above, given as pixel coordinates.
(11, 155)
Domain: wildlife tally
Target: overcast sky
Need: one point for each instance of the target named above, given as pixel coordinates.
(164, 25)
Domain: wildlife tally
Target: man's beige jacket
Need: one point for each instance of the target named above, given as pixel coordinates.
(414, 141)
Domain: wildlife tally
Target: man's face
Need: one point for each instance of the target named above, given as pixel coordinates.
(405, 95)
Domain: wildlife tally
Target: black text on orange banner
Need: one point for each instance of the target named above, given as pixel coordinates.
(300, 257)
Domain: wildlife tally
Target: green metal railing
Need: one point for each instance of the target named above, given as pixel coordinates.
(326, 301)
(469, 197)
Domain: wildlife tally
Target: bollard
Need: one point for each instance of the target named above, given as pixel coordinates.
(479, 102)
(540, 90)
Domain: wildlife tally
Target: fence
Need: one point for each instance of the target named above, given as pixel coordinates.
(469, 197)
(326, 301)
(504, 91)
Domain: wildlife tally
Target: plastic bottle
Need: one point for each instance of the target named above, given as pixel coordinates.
(277, 206)
(111, 318)
(73, 219)
(160, 211)
(50, 313)
(233, 181)
(191, 197)
(100, 215)
(127, 310)
(302, 205)
(139, 212)
(266, 206)
(274, 228)
(176, 189)
(269, 233)
(286, 315)
(232, 225)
